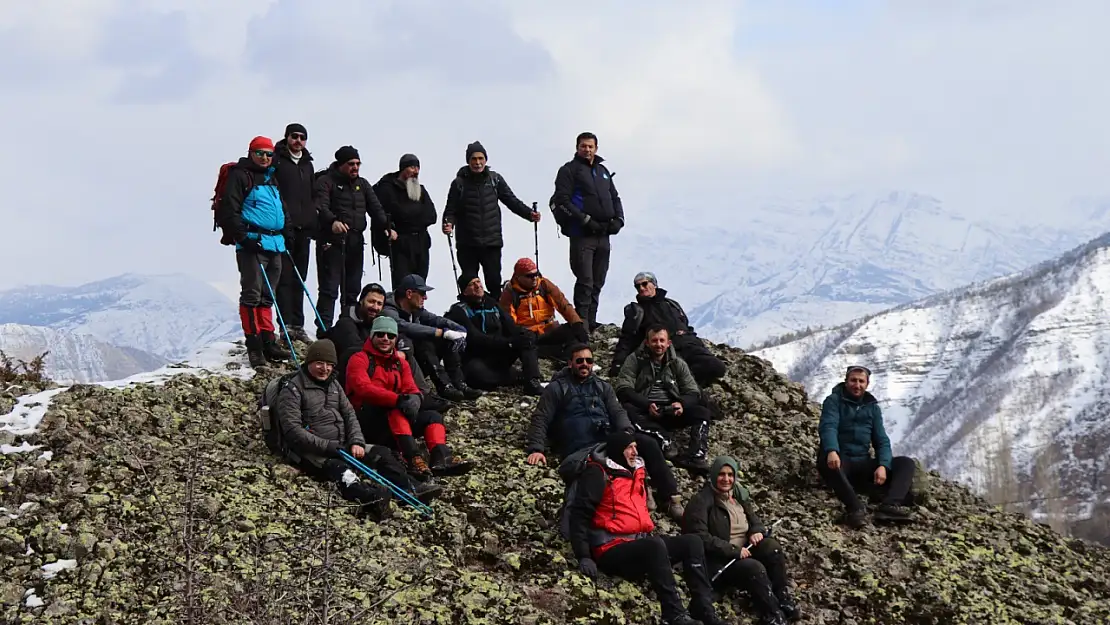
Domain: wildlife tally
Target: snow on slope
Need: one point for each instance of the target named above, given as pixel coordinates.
(1021, 361)
(73, 357)
(168, 315)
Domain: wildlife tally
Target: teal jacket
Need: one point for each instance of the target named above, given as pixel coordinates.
(850, 427)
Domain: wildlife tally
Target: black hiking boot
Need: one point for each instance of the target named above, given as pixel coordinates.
(682, 618)
(892, 514)
(446, 463)
(533, 387)
(767, 604)
(469, 392)
(254, 351)
(435, 403)
(427, 491)
(448, 391)
(273, 350)
(297, 333)
(704, 612)
(787, 604)
(374, 501)
(696, 460)
(855, 519)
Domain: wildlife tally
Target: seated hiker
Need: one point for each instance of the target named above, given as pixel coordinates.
(434, 338)
(851, 423)
(352, 330)
(315, 421)
(532, 301)
(493, 341)
(660, 394)
(580, 409)
(653, 307)
(383, 392)
(611, 531)
(738, 553)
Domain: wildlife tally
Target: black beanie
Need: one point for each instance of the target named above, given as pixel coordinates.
(615, 445)
(345, 153)
(407, 160)
(465, 279)
(476, 147)
(291, 128)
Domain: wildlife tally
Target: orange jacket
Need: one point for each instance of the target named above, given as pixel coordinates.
(535, 310)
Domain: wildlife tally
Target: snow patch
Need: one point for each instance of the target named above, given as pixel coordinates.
(28, 412)
(46, 455)
(32, 600)
(52, 569)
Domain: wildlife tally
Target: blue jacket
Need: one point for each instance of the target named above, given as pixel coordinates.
(252, 208)
(850, 427)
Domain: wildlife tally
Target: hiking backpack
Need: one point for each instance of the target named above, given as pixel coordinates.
(267, 417)
(570, 469)
(218, 198)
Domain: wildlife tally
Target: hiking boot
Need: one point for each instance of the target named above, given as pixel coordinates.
(374, 501)
(696, 460)
(254, 351)
(418, 468)
(297, 333)
(446, 463)
(273, 350)
(703, 611)
(855, 519)
(435, 403)
(427, 491)
(682, 618)
(788, 606)
(892, 513)
(674, 507)
(448, 391)
(773, 618)
(533, 387)
(469, 392)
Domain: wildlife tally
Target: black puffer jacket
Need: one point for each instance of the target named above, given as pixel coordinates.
(405, 215)
(644, 313)
(316, 418)
(584, 190)
(297, 183)
(339, 198)
(472, 207)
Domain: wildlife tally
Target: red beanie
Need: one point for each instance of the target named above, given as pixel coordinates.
(261, 143)
(524, 266)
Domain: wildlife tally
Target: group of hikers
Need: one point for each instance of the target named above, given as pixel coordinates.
(378, 381)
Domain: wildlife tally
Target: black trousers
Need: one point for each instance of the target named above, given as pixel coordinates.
(490, 370)
(589, 262)
(338, 268)
(360, 490)
(554, 343)
(861, 473)
(662, 478)
(290, 292)
(429, 353)
(409, 254)
(653, 558)
(706, 367)
(761, 574)
(471, 256)
(692, 414)
(253, 291)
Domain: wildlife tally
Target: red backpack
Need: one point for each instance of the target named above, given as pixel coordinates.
(217, 199)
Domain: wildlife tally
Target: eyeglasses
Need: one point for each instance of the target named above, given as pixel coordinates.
(642, 285)
(298, 136)
(379, 335)
(581, 361)
(323, 363)
(264, 153)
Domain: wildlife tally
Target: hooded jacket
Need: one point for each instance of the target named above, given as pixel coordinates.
(576, 413)
(472, 206)
(852, 426)
(643, 313)
(392, 377)
(420, 325)
(535, 309)
(637, 375)
(610, 506)
(252, 208)
(297, 182)
(489, 329)
(707, 517)
(316, 418)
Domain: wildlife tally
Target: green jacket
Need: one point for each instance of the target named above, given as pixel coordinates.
(636, 377)
(850, 427)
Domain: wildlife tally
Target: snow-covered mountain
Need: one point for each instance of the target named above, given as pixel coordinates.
(1007, 377)
(72, 357)
(821, 262)
(168, 315)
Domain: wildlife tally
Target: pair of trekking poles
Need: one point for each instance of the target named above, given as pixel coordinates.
(535, 234)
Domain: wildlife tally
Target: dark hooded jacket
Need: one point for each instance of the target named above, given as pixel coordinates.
(644, 313)
(707, 517)
(405, 215)
(420, 325)
(576, 414)
(297, 183)
(852, 426)
(472, 206)
(583, 190)
(316, 418)
(339, 198)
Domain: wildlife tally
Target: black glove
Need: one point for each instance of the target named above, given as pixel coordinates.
(250, 245)
(593, 227)
(409, 405)
(587, 567)
(615, 226)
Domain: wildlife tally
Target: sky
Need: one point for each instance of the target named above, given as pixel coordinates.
(122, 111)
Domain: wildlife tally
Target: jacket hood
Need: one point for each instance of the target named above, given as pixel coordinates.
(393, 177)
(246, 163)
(600, 455)
(841, 391)
(282, 147)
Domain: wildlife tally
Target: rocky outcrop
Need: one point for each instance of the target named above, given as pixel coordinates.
(174, 512)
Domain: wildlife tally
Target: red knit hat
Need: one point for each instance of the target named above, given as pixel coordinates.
(261, 143)
(524, 266)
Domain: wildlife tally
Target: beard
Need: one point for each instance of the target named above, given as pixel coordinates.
(412, 187)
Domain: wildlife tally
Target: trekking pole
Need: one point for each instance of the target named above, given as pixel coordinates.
(536, 234)
(269, 287)
(389, 244)
(305, 287)
(454, 268)
(748, 546)
(401, 494)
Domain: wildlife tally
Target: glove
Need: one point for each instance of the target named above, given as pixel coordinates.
(615, 226)
(593, 227)
(409, 405)
(249, 244)
(614, 371)
(587, 567)
(453, 335)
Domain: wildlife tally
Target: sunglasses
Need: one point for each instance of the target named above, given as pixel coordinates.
(264, 153)
(583, 361)
(642, 285)
(298, 136)
(379, 335)
(532, 275)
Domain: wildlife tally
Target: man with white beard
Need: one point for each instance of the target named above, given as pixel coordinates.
(410, 211)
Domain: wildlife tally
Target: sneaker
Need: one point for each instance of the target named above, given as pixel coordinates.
(855, 519)
(892, 513)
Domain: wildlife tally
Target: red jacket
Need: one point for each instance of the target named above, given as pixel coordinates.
(610, 507)
(392, 377)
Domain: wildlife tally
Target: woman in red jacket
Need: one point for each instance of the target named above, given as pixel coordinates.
(383, 391)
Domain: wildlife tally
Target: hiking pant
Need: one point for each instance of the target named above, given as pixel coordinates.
(409, 254)
(653, 557)
(705, 367)
(861, 473)
(338, 267)
(391, 428)
(290, 293)
(554, 343)
(662, 478)
(255, 301)
(693, 413)
(490, 370)
(429, 352)
(589, 262)
(489, 257)
(762, 574)
(360, 490)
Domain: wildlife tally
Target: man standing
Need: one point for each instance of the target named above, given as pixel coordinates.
(472, 207)
(588, 210)
(295, 179)
(343, 198)
(532, 301)
(251, 212)
(410, 212)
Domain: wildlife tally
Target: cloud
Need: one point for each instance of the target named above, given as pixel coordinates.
(155, 53)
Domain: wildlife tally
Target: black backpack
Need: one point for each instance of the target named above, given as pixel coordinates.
(267, 417)
(570, 469)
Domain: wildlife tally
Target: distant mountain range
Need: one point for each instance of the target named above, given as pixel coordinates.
(72, 357)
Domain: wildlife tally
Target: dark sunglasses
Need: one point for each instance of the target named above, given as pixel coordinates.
(642, 285)
(379, 335)
(532, 275)
(298, 136)
(264, 154)
(579, 361)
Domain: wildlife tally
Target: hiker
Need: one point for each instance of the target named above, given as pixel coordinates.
(316, 421)
(472, 207)
(252, 213)
(611, 531)
(738, 552)
(434, 338)
(588, 210)
(532, 301)
(660, 395)
(352, 330)
(343, 199)
(580, 409)
(851, 424)
(383, 392)
(410, 212)
(493, 341)
(653, 307)
(296, 180)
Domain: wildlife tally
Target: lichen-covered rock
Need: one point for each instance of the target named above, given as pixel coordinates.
(176, 512)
